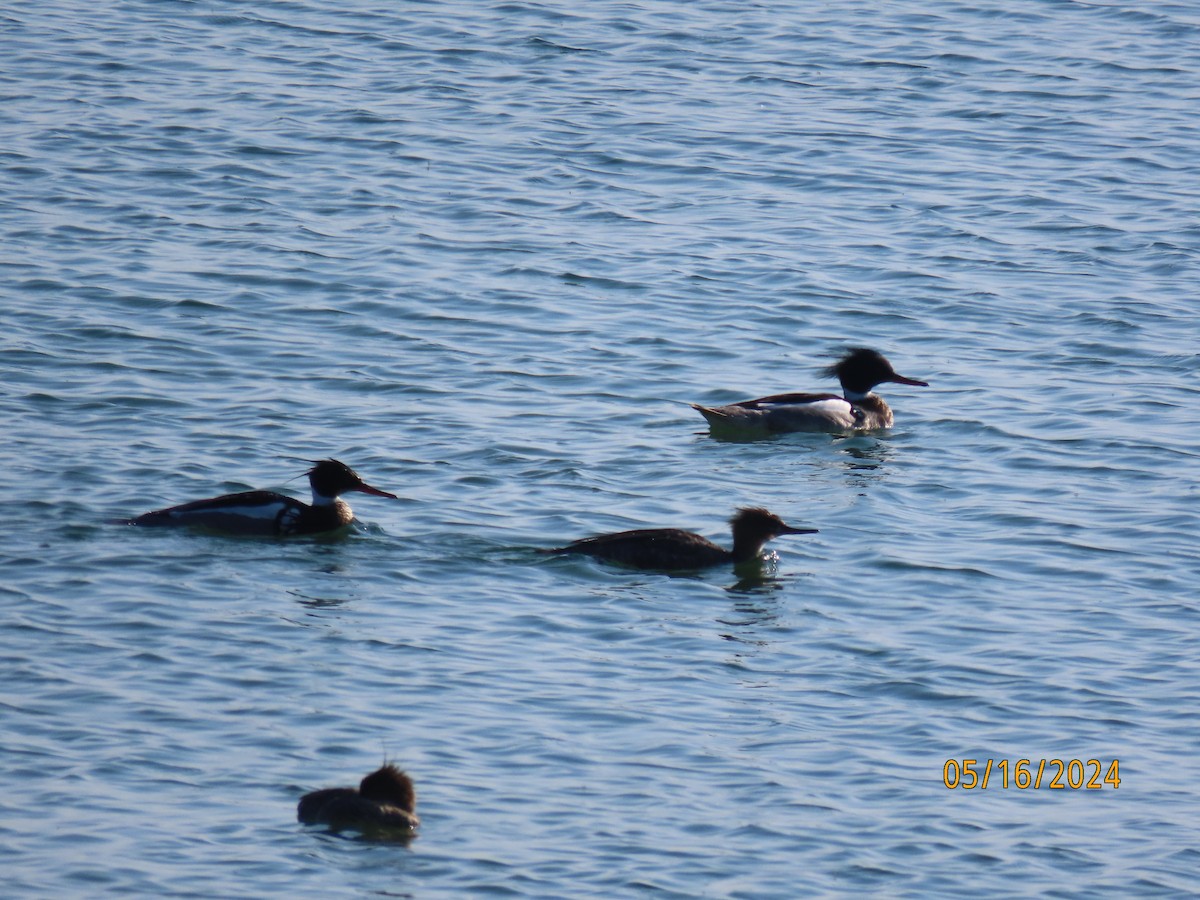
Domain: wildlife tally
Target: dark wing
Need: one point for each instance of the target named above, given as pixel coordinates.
(781, 399)
(652, 548)
(248, 500)
(311, 808)
(248, 512)
(344, 808)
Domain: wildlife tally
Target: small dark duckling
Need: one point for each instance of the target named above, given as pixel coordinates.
(272, 514)
(385, 799)
(669, 549)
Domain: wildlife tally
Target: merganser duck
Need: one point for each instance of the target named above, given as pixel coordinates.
(858, 409)
(674, 549)
(385, 799)
(269, 513)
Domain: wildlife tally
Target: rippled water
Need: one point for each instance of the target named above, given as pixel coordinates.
(486, 253)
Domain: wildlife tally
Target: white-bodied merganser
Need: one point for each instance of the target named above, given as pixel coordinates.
(859, 371)
(673, 549)
(269, 513)
(385, 799)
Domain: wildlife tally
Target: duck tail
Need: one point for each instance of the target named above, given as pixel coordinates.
(714, 416)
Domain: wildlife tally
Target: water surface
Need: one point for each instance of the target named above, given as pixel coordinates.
(487, 253)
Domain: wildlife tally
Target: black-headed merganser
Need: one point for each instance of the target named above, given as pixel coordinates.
(675, 549)
(858, 409)
(385, 799)
(269, 513)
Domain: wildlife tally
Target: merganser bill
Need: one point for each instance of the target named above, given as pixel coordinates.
(674, 549)
(385, 799)
(270, 513)
(858, 409)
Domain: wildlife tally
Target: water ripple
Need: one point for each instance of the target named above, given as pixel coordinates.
(488, 256)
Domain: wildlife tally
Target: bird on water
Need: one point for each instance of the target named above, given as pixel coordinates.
(271, 513)
(859, 370)
(674, 549)
(383, 800)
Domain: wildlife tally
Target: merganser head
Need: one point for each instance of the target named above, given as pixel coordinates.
(861, 368)
(753, 526)
(330, 479)
(756, 522)
(391, 786)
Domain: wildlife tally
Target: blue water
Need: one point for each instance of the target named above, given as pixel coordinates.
(486, 253)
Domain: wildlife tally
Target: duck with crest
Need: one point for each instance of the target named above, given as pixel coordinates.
(668, 549)
(383, 800)
(859, 370)
(270, 513)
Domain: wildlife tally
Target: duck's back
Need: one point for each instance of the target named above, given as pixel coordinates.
(264, 513)
(801, 412)
(785, 412)
(312, 807)
(652, 548)
(248, 512)
(342, 808)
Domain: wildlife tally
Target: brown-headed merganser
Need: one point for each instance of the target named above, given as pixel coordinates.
(673, 548)
(269, 513)
(385, 799)
(858, 409)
